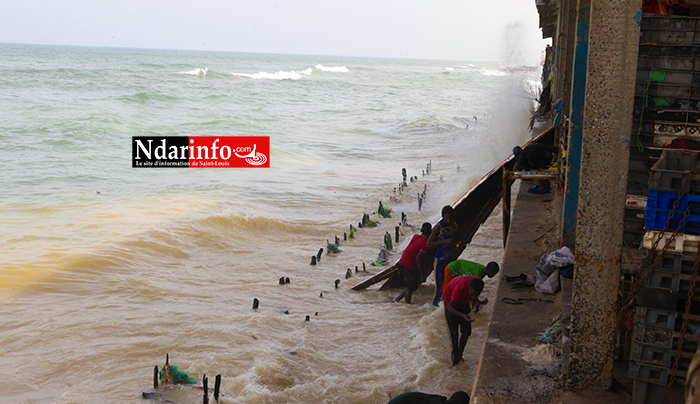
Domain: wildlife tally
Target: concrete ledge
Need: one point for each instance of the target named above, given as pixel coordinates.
(514, 366)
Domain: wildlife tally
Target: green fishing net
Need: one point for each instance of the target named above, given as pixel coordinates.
(171, 374)
(332, 247)
(384, 211)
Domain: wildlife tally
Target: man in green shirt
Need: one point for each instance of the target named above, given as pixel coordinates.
(463, 267)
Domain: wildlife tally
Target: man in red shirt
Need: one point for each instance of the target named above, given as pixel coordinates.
(460, 294)
(408, 264)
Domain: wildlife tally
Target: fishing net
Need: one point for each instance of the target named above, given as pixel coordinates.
(384, 211)
(332, 247)
(170, 374)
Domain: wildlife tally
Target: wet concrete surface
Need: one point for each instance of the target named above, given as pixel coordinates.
(515, 366)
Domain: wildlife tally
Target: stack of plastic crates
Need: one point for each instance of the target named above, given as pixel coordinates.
(674, 192)
(667, 92)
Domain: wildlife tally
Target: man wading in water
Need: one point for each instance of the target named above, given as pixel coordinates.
(412, 273)
(442, 237)
(461, 293)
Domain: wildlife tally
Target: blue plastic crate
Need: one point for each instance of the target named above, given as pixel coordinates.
(660, 199)
(656, 219)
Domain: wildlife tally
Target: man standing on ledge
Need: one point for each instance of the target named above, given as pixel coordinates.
(442, 238)
(460, 294)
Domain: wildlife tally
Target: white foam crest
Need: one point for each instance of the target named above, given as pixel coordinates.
(333, 69)
(280, 75)
(493, 72)
(307, 71)
(197, 72)
(449, 69)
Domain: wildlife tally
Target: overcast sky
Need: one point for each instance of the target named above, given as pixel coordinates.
(439, 29)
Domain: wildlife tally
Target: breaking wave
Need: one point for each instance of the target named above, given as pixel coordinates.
(493, 72)
(280, 75)
(241, 224)
(196, 72)
(334, 69)
(292, 74)
(432, 124)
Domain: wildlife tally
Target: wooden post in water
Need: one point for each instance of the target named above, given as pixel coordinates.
(206, 390)
(155, 377)
(256, 303)
(217, 387)
(313, 260)
(319, 254)
(397, 234)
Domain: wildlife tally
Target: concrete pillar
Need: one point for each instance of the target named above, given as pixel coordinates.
(607, 120)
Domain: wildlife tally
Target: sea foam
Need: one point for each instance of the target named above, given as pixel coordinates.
(197, 72)
(334, 69)
(280, 75)
(293, 74)
(492, 72)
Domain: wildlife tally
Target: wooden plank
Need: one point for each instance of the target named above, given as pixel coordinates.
(506, 207)
(376, 278)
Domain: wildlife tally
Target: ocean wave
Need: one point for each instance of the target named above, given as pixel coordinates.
(493, 72)
(333, 69)
(449, 69)
(142, 97)
(196, 72)
(280, 75)
(248, 224)
(431, 124)
(307, 71)
(293, 74)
